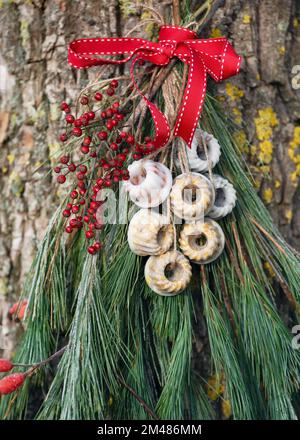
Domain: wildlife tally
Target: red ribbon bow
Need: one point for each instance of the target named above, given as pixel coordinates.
(214, 56)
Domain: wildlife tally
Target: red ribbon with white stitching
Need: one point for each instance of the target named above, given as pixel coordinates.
(214, 56)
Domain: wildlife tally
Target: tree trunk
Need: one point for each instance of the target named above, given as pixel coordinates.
(35, 77)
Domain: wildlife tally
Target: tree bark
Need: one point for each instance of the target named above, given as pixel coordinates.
(35, 78)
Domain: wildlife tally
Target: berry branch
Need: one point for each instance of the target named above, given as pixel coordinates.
(12, 382)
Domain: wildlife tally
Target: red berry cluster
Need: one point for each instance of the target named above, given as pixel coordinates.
(18, 309)
(11, 383)
(105, 147)
(5, 365)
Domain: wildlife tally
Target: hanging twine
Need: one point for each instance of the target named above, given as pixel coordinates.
(210, 175)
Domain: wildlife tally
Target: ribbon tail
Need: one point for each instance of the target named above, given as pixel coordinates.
(193, 99)
(162, 128)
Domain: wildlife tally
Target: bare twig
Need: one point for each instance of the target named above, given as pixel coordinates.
(269, 236)
(141, 401)
(235, 262)
(176, 12)
(46, 361)
(213, 9)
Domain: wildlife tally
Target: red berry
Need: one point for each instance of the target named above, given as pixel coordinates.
(64, 159)
(69, 205)
(87, 141)
(99, 181)
(102, 135)
(63, 105)
(82, 202)
(107, 183)
(82, 168)
(97, 245)
(82, 192)
(92, 250)
(75, 209)
(91, 115)
(84, 120)
(77, 131)
(93, 154)
(5, 365)
(123, 135)
(109, 113)
(72, 167)
(74, 223)
(120, 117)
(20, 308)
(89, 234)
(122, 157)
(84, 100)
(109, 125)
(74, 194)
(61, 179)
(114, 122)
(91, 226)
(116, 104)
(66, 213)
(57, 169)
(70, 119)
(80, 176)
(114, 146)
(81, 184)
(94, 205)
(98, 96)
(103, 115)
(130, 139)
(114, 83)
(86, 218)
(11, 383)
(136, 156)
(69, 229)
(84, 149)
(110, 91)
(78, 122)
(63, 137)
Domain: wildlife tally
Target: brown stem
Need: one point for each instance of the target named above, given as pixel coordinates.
(46, 361)
(237, 241)
(141, 401)
(235, 262)
(176, 12)
(227, 303)
(269, 236)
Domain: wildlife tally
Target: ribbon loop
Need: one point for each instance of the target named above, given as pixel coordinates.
(215, 57)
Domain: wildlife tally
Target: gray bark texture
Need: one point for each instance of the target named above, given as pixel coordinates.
(35, 78)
